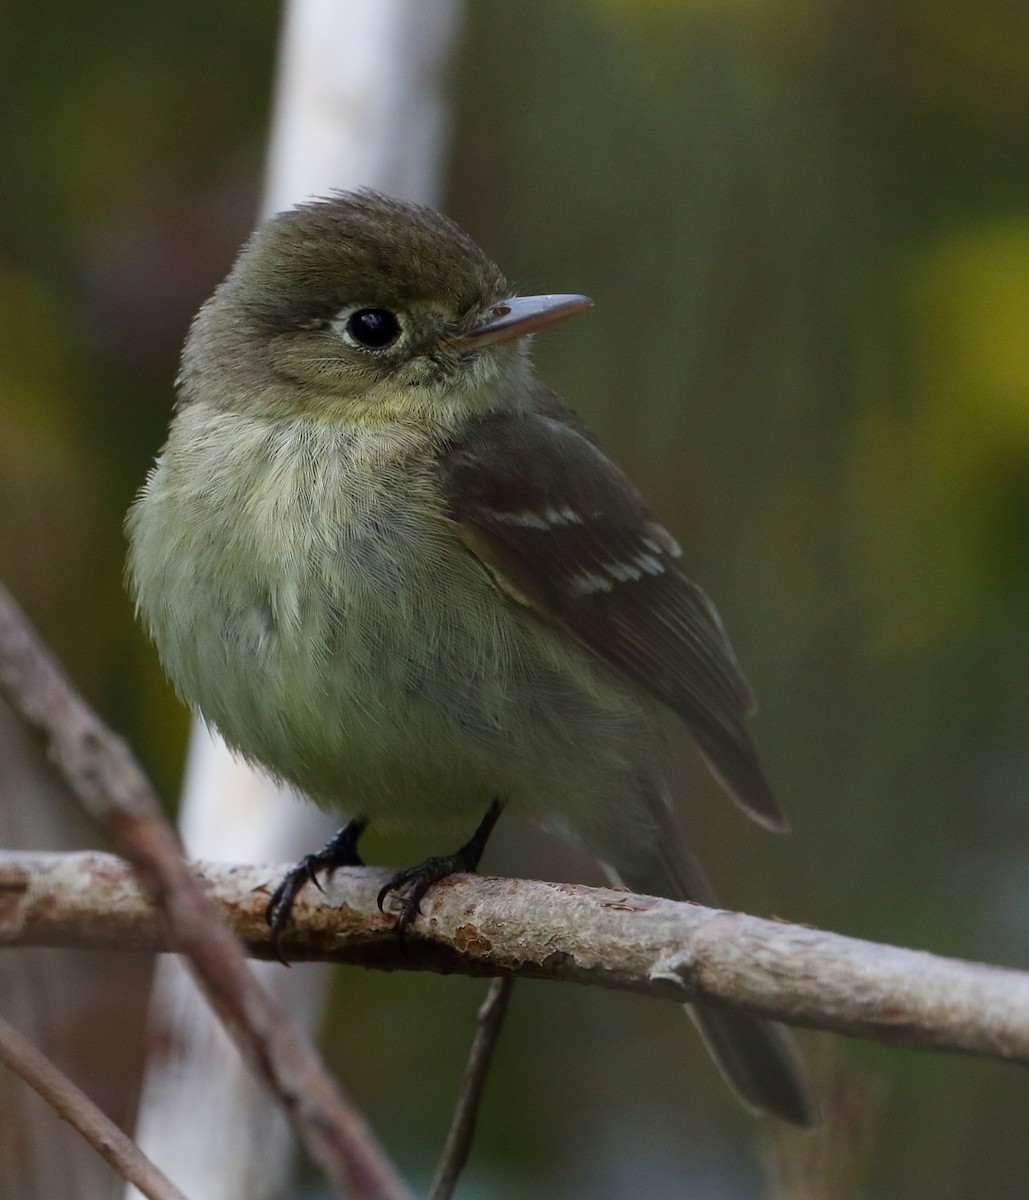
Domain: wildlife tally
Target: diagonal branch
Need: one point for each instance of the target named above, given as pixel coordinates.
(102, 773)
(74, 1106)
(487, 926)
(489, 1022)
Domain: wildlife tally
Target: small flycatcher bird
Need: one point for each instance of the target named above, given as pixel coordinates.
(396, 571)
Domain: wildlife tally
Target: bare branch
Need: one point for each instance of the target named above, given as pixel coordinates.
(462, 1129)
(71, 1103)
(485, 926)
(102, 773)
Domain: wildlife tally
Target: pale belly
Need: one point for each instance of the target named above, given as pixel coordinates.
(373, 664)
(415, 705)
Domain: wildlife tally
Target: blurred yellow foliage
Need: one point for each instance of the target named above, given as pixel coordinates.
(973, 298)
(931, 476)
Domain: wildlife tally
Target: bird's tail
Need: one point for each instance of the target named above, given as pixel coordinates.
(758, 1058)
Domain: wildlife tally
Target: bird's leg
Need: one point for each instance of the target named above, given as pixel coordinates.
(339, 851)
(414, 882)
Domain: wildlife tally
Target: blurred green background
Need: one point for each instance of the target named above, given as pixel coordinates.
(805, 224)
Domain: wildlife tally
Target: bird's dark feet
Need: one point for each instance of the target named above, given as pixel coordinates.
(339, 851)
(412, 883)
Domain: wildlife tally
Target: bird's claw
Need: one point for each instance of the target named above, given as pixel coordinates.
(412, 883)
(339, 851)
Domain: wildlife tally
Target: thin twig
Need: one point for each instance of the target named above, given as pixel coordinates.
(75, 1107)
(103, 774)
(489, 1021)
(565, 933)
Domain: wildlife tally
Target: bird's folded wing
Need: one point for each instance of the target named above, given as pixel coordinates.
(562, 530)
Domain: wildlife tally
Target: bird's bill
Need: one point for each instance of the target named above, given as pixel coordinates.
(520, 315)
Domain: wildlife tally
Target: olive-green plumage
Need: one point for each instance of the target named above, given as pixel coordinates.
(396, 571)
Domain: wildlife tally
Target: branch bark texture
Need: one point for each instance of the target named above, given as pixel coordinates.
(488, 926)
(101, 771)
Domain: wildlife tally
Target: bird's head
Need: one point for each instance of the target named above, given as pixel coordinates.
(361, 305)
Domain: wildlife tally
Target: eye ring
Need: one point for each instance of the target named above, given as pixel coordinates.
(372, 328)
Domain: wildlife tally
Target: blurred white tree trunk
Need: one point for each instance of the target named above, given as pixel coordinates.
(359, 102)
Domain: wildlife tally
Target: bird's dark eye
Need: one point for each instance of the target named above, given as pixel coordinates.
(373, 328)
